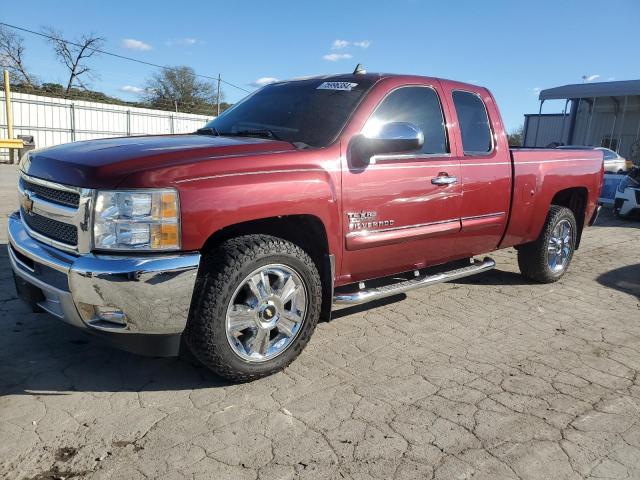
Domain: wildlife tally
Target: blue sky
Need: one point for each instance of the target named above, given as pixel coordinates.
(511, 47)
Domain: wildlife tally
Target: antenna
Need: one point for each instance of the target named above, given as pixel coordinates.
(359, 70)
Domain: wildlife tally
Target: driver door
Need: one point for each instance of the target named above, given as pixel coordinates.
(402, 211)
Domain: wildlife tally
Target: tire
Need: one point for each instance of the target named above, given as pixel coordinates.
(226, 293)
(536, 260)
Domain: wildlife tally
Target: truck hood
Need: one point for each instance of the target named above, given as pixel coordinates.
(104, 163)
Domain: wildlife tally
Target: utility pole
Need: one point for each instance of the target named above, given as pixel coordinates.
(7, 102)
(218, 97)
(175, 102)
(11, 143)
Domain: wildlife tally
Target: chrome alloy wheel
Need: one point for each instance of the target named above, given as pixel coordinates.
(266, 313)
(559, 247)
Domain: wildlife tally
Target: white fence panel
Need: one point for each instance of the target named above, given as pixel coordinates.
(53, 121)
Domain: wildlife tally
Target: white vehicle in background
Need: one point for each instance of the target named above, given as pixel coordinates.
(613, 163)
(627, 201)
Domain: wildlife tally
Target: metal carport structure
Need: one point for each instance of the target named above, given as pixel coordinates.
(597, 114)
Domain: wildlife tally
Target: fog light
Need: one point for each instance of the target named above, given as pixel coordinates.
(96, 313)
(110, 314)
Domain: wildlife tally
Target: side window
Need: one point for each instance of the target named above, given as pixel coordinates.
(417, 105)
(474, 123)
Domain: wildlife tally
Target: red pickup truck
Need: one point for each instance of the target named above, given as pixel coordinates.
(238, 238)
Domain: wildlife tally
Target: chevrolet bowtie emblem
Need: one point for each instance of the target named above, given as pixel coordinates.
(27, 203)
(268, 313)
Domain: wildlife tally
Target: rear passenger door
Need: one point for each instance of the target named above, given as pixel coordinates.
(485, 165)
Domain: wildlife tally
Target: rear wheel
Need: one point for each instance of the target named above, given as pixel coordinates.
(547, 259)
(259, 305)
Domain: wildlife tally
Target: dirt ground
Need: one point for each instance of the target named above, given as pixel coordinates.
(487, 377)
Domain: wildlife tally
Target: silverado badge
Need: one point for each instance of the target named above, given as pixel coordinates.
(366, 220)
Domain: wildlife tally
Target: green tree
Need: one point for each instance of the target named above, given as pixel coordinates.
(180, 88)
(516, 137)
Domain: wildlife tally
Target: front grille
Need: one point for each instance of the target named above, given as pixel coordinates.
(53, 229)
(60, 197)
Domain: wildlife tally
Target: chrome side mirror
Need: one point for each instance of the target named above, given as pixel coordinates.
(392, 137)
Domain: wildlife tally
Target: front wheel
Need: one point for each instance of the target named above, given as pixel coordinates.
(259, 304)
(547, 259)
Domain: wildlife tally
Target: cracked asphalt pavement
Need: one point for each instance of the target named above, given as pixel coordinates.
(490, 377)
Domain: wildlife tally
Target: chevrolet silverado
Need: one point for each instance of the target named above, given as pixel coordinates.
(239, 237)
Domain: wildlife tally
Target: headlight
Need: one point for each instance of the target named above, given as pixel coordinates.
(136, 220)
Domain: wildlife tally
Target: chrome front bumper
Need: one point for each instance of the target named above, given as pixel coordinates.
(153, 292)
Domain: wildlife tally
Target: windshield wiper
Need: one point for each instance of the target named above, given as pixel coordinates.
(258, 132)
(208, 131)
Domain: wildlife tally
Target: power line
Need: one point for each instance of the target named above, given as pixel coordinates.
(122, 57)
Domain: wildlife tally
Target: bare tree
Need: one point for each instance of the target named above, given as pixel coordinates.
(12, 56)
(73, 55)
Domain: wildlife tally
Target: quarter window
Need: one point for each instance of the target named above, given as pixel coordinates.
(419, 106)
(474, 123)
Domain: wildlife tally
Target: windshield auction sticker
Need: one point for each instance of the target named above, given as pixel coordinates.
(347, 86)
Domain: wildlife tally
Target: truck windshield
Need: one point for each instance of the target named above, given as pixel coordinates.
(307, 112)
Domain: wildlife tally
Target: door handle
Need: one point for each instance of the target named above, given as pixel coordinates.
(444, 179)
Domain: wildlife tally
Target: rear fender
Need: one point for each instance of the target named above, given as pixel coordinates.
(540, 175)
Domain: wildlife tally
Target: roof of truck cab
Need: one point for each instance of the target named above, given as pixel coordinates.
(341, 76)
(375, 76)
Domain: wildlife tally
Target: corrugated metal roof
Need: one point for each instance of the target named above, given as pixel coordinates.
(591, 90)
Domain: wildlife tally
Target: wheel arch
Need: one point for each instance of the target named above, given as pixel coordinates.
(304, 230)
(575, 199)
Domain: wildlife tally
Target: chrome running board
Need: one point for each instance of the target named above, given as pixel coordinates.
(366, 295)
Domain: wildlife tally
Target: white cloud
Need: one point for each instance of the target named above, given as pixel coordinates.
(342, 44)
(185, 42)
(262, 81)
(339, 44)
(133, 44)
(590, 78)
(131, 89)
(334, 57)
